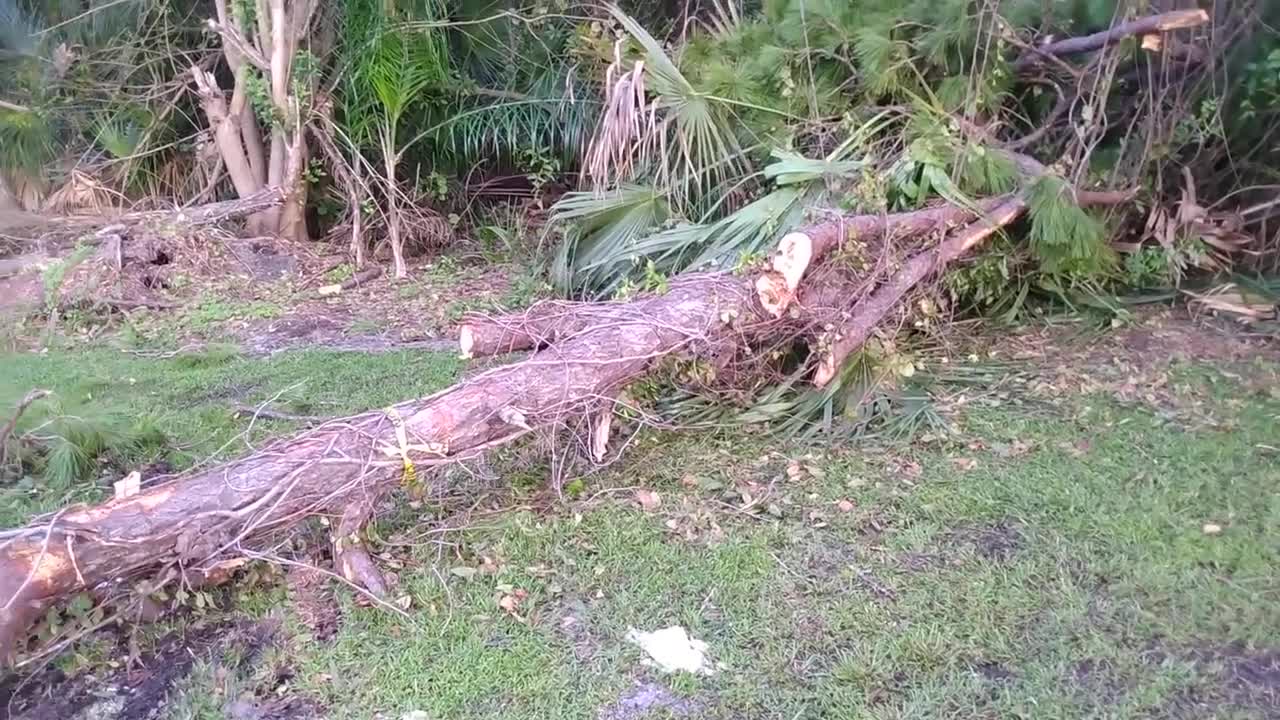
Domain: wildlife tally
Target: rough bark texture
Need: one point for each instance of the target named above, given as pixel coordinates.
(191, 523)
(187, 528)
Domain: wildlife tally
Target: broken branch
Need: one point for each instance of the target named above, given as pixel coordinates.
(1164, 22)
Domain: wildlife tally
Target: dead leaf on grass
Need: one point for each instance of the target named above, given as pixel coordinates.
(511, 599)
(648, 500)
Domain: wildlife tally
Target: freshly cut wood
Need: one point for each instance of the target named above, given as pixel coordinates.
(1162, 23)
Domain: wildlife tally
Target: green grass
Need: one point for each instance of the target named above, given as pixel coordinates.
(1069, 577)
(192, 400)
(1037, 561)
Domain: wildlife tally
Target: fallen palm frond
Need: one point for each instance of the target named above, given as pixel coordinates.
(1244, 304)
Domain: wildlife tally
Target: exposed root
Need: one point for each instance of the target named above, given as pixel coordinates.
(600, 427)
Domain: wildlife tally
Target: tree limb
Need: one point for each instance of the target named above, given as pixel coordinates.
(1164, 22)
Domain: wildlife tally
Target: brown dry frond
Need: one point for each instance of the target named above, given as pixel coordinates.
(82, 194)
(627, 125)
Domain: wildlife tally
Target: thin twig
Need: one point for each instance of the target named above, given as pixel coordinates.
(31, 397)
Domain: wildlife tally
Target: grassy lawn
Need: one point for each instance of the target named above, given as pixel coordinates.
(184, 408)
(1083, 558)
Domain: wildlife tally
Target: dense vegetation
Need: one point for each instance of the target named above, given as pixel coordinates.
(412, 115)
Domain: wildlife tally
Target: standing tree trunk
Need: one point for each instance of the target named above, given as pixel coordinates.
(8, 201)
(393, 211)
(260, 48)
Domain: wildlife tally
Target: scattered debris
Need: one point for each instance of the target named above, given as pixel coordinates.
(672, 649)
(649, 500)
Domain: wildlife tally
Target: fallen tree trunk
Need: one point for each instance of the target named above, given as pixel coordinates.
(110, 225)
(188, 529)
(181, 530)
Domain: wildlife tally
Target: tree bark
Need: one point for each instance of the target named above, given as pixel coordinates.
(1162, 23)
(269, 48)
(187, 528)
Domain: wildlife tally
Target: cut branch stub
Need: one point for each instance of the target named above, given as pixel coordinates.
(1162, 23)
(776, 287)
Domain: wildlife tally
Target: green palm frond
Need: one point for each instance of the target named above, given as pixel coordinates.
(756, 227)
(790, 168)
(602, 230)
(685, 133)
(27, 140)
(118, 134)
(402, 66)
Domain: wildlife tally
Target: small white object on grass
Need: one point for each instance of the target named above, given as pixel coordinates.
(672, 649)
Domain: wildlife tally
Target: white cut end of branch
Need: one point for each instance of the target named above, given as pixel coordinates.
(826, 371)
(777, 287)
(795, 252)
(600, 435)
(466, 341)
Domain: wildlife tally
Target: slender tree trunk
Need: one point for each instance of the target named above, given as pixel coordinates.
(357, 216)
(393, 209)
(268, 47)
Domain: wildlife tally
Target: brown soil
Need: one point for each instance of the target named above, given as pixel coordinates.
(141, 690)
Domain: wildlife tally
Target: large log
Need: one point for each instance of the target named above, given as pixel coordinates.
(188, 525)
(185, 529)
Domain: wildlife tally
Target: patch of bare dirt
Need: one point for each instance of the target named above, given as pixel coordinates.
(997, 542)
(1135, 364)
(311, 594)
(1239, 679)
(21, 284)
(140, 689)
(646, 699)
(312, 330)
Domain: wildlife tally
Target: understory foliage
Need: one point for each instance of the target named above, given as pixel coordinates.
(737, 119)
(891, 106)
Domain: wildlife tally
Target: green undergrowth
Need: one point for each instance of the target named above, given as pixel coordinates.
(166, 414)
